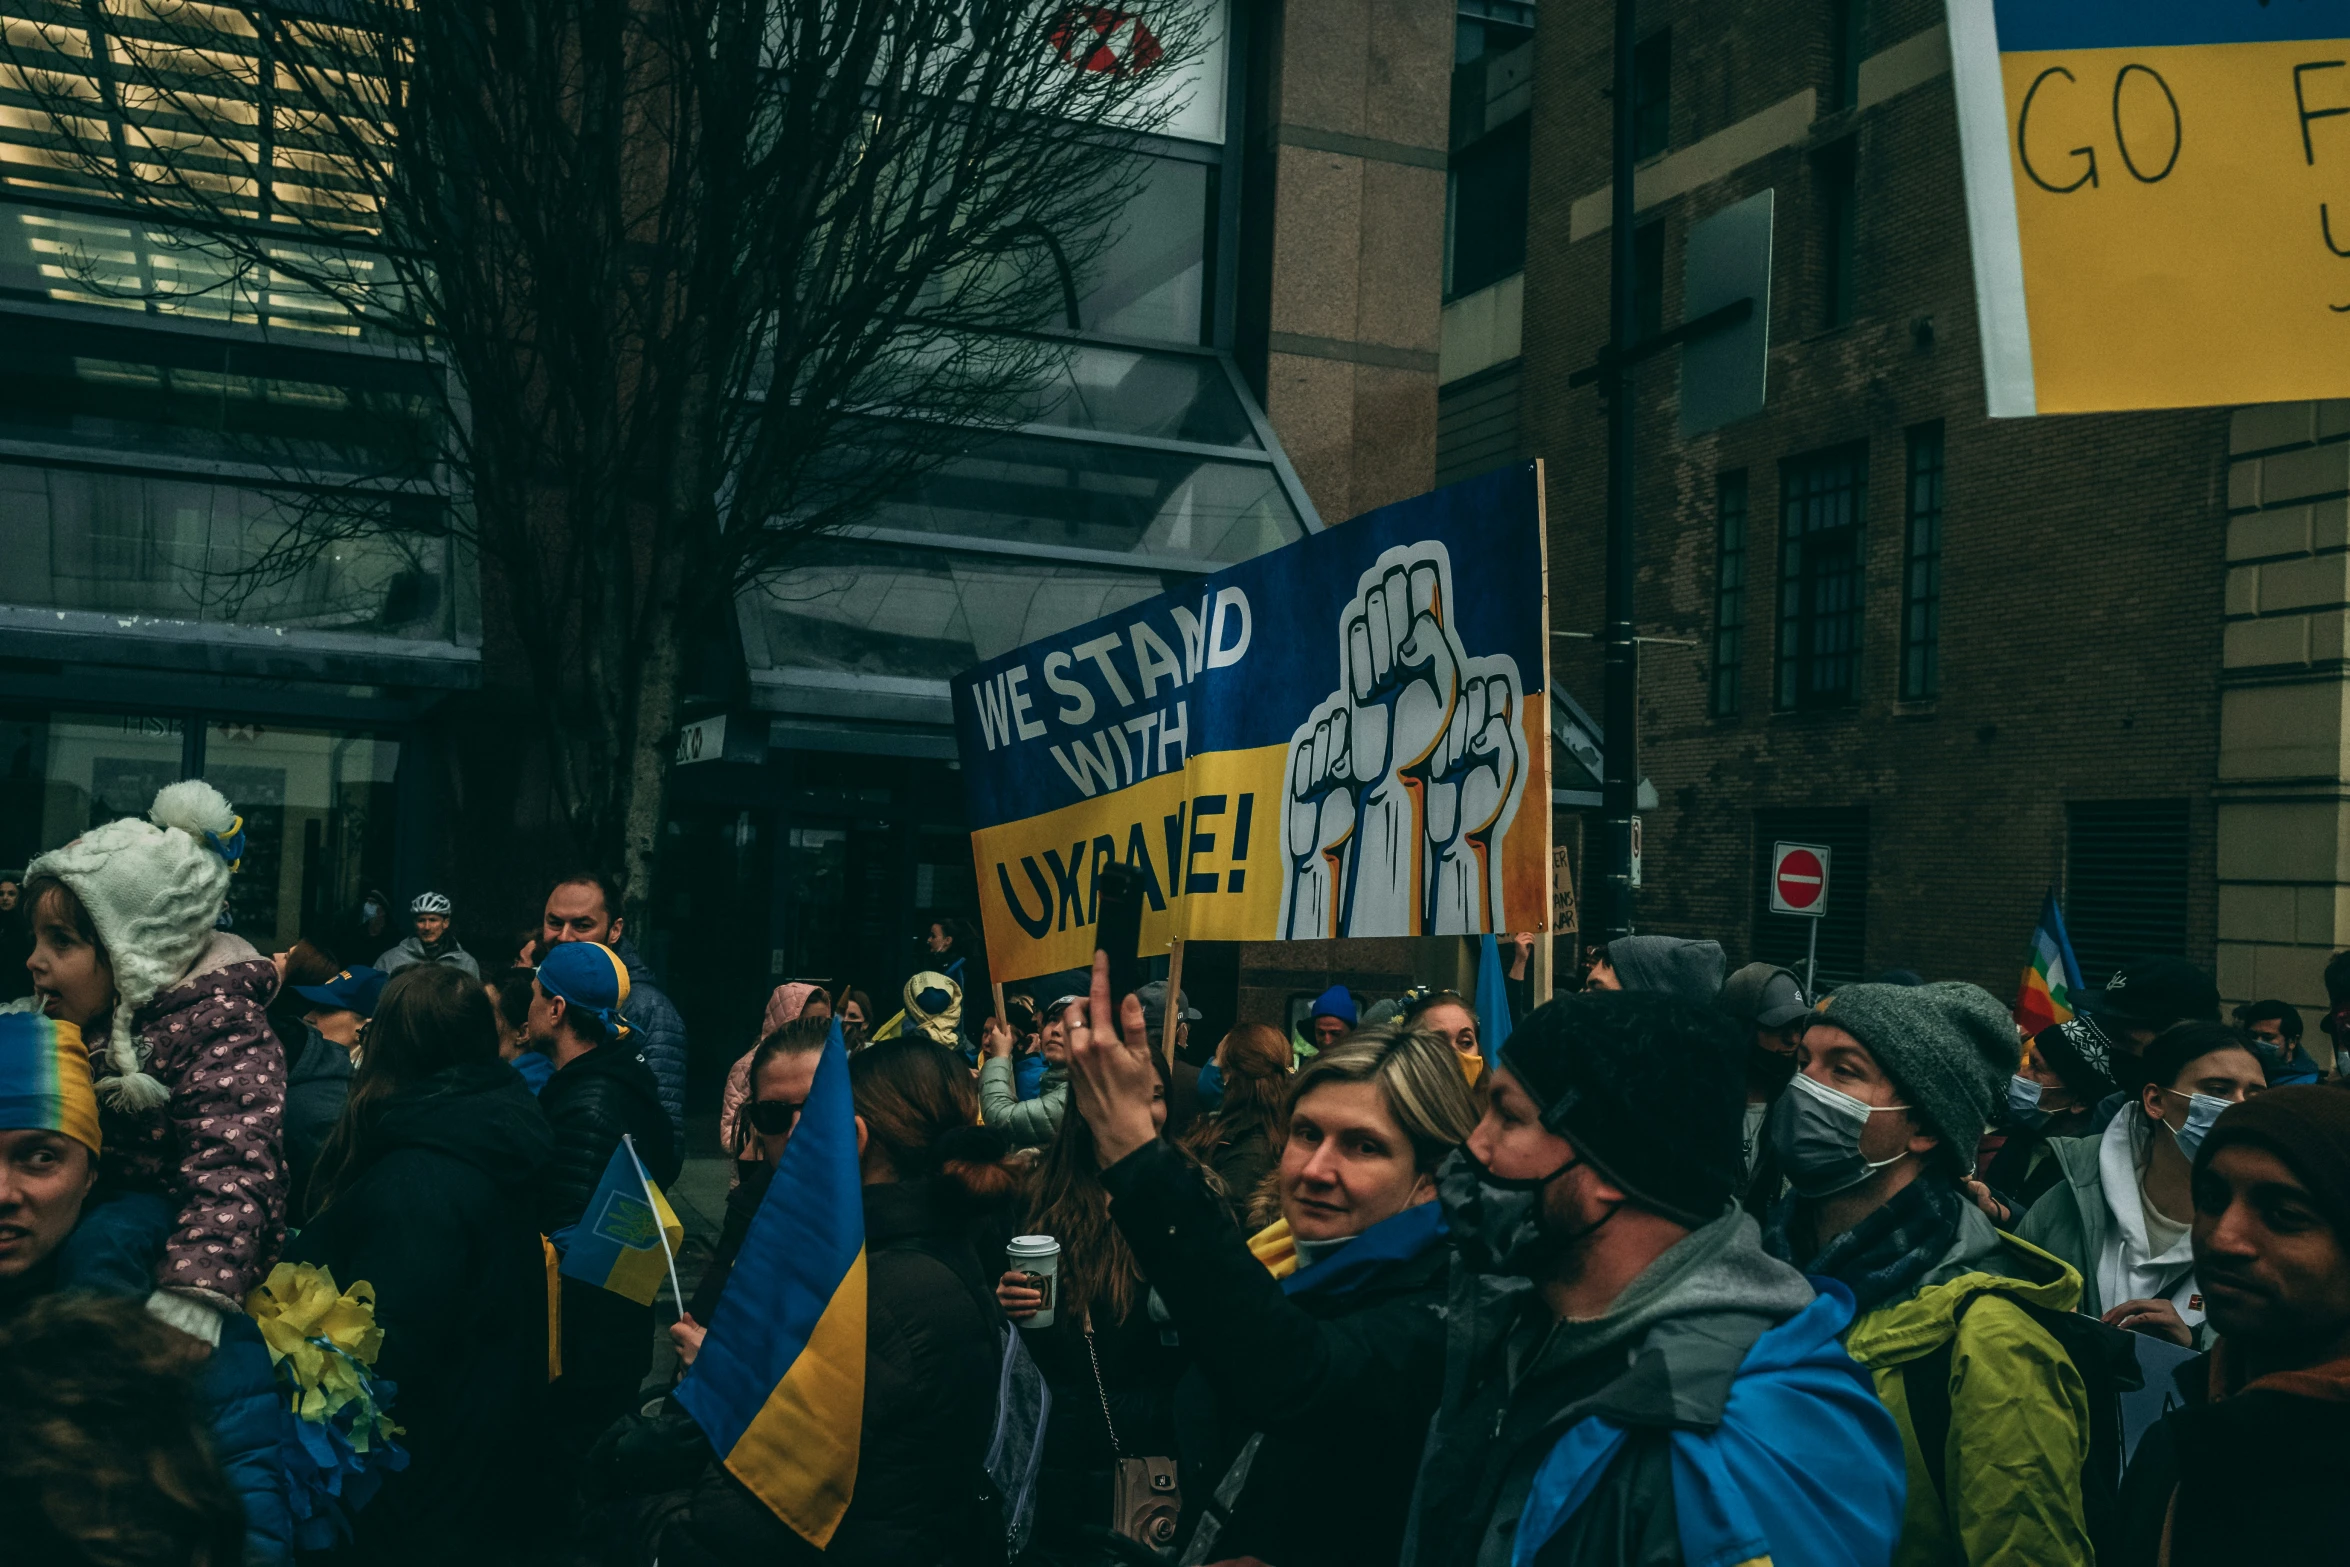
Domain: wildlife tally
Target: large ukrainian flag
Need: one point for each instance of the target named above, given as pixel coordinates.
(779, 1385)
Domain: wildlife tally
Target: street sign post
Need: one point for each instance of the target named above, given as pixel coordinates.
(1799, 886)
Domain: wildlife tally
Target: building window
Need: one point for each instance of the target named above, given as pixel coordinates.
(1785, 938)
(1921, 594)
(1835, 177)
(1485, 210)
(1846, 19)
(1729, 594)
(1648, 279)
(1821, 501)
(2125, 882)
(1652, 94)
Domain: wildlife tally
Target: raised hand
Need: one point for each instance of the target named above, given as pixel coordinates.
(1469, 782)
(1112, 1078)
(1319, 821)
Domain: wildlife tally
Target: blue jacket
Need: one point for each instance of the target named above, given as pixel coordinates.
(660, 1032)
(239, 1391)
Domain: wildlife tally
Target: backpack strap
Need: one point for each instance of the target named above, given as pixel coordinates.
(1926, 1382)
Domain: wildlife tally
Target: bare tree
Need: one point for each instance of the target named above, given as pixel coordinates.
(704, 279)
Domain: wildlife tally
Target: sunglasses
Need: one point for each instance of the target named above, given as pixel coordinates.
(772, 1117)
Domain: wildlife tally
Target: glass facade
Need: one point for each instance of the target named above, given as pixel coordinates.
(317, 803)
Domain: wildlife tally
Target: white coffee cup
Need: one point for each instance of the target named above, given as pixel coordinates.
(1039, 1257)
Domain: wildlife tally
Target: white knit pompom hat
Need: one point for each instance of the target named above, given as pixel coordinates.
(154, 890)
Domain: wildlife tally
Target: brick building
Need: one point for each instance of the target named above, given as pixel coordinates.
(1978, 659)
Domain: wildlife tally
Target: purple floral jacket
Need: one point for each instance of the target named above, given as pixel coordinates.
(214, 1150)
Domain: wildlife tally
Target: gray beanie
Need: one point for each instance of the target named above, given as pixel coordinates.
(1668, 966)
(1950, 1048)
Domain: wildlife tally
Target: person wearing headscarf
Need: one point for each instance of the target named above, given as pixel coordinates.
(784, 1005)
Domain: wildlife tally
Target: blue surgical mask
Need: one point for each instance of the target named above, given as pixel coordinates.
(1210, 1087)
(1815, 1133)
(2202, 1110)
(2023, 1103)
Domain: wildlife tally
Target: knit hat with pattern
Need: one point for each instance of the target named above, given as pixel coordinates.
(154, 891)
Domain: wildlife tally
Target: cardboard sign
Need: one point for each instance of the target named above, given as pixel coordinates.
(1347, 736)
(2158, 195)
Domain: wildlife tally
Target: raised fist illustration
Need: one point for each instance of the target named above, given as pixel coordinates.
(1402, 742)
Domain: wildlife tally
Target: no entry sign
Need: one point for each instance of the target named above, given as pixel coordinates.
(1799, 879)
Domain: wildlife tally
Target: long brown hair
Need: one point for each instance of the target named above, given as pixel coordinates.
(429, 1018)
(1256, 1090)
(920, 1110)
(1068, 1202)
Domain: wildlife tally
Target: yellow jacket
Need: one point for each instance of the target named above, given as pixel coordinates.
(2019, 1409)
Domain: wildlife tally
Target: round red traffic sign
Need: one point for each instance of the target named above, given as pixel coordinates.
(1799, 878)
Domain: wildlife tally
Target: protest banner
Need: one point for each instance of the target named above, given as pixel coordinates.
(2149, 191)
(1348, 736)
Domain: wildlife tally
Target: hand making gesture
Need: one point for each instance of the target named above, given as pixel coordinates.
(1111, 1075)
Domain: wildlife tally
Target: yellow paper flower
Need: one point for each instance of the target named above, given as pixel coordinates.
(327, 1338)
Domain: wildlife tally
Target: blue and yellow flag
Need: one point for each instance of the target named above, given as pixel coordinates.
(627, 1236)
(779, 1385)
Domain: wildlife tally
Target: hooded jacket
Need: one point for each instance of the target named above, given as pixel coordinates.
(1668, 966)
(659, 1034)
(213, 1148)
(413, 951)
(439, 1215)
(2077, 1220)
(2230, 1437)
(1663, 1358)
(2019, 1410)
(1340, 1381)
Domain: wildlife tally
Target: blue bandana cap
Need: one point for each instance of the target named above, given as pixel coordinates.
(590, 976)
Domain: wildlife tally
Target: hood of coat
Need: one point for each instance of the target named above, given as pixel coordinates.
(478, 1112)
(319, 1060)
(1982, 1260)
(227, 967)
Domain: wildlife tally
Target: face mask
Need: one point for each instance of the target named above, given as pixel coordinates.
(2023, 1103)
(1210, 1087)
(373, 911)
(2202, 1110)
(2272, 1058)
(1501, 1217)
(1815, 1134)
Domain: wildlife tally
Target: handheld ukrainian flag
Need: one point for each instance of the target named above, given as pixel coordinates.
(779, 1385)
(627, 1239)
(2051, 974)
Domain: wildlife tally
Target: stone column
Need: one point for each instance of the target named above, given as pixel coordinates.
(2284, 755)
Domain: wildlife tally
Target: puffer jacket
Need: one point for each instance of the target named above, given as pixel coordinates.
(933, 1345)
(440, 1216)
(1029, 1123)
(214, 1148)
(589, 1103)
(247, 1420)
(659, 1034)
(2019, 1410)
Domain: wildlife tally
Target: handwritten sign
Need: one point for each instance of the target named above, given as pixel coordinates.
(2158, 195)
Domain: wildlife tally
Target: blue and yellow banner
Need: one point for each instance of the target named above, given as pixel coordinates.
(625, 1239)
(779, 1384)
(1347, 736)
(2158, 193)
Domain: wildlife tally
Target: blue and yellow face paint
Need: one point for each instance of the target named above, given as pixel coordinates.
(45, 1079)
(2159, 198)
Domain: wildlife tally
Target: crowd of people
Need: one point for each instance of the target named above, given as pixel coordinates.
(1688, 1266)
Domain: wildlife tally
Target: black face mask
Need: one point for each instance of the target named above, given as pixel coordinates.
(1499, 1218)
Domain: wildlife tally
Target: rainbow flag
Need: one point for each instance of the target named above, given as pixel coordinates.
(2051, 974)
(779, 1385)
(626, 1239)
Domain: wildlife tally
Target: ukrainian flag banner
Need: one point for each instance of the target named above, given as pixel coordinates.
(2150, 188)
(779, 1385)
(627, 1236)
